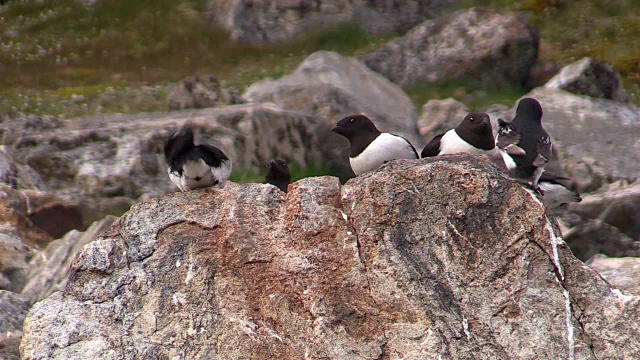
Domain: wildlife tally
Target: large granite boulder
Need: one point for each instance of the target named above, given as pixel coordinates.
(264, 22)
(491, 48)
(432, 258)
(105, 163)
(49, 269)
(590, 77)
(331, 86)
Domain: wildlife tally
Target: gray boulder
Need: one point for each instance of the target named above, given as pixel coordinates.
(105, 163)
(8, 169)
(331, 86)
(491, 48)
(49, 269)
(465, 265)
(592, 78)
(19, 239)
(13, 309)
(196, 92)
(439, 116)
(618, 207)
(597, 237)
(623, 273)
(264, 22)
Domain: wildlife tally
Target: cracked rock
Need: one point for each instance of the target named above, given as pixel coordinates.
(418, 259)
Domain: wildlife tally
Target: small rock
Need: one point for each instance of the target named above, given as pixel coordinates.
(592, 78)
(618, 208)
(439, 116)
(597, 237)
(196, 92)
(13, 310)
(623, 273)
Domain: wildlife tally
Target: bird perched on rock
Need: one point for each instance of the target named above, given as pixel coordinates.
(370, 148)
(473, 135)
(557, 190)
(278, 174)
(194, 166)
(524, 144)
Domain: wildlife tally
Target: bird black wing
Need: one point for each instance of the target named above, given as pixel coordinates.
(509, 138)
(211, 155)
(433, 147)
(543, 147)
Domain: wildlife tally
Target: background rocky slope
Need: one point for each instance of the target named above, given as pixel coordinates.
(59, 176)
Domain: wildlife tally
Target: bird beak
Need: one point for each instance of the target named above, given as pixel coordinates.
(485, 121)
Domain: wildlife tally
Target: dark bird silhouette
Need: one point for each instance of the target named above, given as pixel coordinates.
(278, 174)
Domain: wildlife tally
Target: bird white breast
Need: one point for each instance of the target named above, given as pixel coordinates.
(198, 174)
(385, 147)
(452, 143)
(508, 160)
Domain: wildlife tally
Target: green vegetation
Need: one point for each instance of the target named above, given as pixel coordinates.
(249, 175)
(71, 57)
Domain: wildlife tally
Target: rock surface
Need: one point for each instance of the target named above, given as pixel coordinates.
(13, 309)
(331, 86)
(8, 169)
(623, 273)
(618, 207)
(592, 78)
(439, 116)
(49, 269)
(597, 237)
(106, 163)
(196, 92)
(19, 239)
(494, 49)
(263, 22)
(420, 259)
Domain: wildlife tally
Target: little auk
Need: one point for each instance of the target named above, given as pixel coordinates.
(370, 148)
(194, 166)
(524, 144)
(473, 135)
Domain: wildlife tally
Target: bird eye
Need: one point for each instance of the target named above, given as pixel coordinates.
(352, 120)
(471, 118)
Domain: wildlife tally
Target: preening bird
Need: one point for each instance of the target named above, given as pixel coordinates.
(473, 135)
(194, 166)
(370, 148)
(278, 174)
(524, 144)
